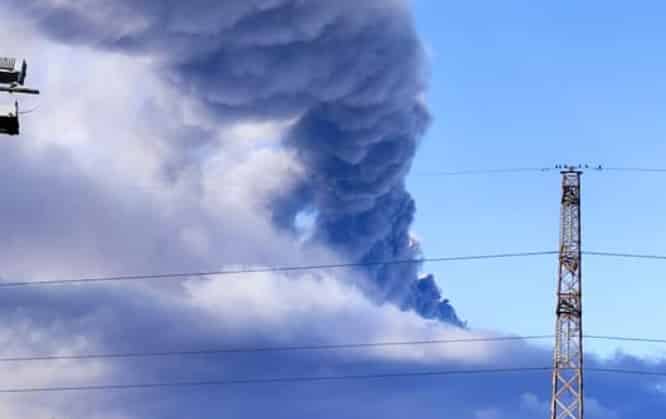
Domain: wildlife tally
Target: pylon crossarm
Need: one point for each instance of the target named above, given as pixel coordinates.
(16, 89)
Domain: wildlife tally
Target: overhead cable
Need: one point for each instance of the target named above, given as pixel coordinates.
(284, 269)
(625, 339)
(217, 351)
(585, 167)
(277, 380)
(626, 255)
(484, 171)
(313, 379)
(635, 169)
(323, 347)
(273, 269)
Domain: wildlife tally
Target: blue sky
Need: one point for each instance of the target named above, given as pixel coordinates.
(526, 84)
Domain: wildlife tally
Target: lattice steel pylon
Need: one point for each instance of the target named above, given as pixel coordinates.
(567, 397)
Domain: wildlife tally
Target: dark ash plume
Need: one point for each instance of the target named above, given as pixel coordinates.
(349, 72)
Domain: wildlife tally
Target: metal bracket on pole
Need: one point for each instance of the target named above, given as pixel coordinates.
(16, 89)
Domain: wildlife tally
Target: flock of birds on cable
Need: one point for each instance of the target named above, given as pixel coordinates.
(12, 80)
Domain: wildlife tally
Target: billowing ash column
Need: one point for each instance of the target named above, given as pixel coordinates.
(351, 75)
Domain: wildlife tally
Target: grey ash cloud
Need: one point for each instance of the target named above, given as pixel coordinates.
(350, 74)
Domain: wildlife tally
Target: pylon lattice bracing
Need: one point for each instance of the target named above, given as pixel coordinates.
(567, 397)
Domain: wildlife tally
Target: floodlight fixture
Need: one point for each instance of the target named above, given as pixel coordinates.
(9, 120)
(9, 74)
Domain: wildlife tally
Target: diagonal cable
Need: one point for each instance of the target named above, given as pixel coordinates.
(270, 269)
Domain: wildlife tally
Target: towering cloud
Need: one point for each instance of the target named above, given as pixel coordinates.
(349, 77)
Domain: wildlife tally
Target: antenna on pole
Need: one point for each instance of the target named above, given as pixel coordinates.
(12, 81)
(567, 396)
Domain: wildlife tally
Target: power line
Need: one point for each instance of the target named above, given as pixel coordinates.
(628, 372)
(626, 255)
(271, 269)
(278, 380)
(278, 269)
(485, 171)
(269, 349)
(625, 339)
(634, 169)
(344, 346)
(586, 167)
(315, 379)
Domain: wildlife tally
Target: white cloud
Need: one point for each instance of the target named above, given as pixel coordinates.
(324, 308)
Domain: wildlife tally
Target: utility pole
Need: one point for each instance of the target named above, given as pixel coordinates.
(11, 81)
(567, 397)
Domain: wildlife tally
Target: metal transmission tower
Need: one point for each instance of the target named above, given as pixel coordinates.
(567, 397)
